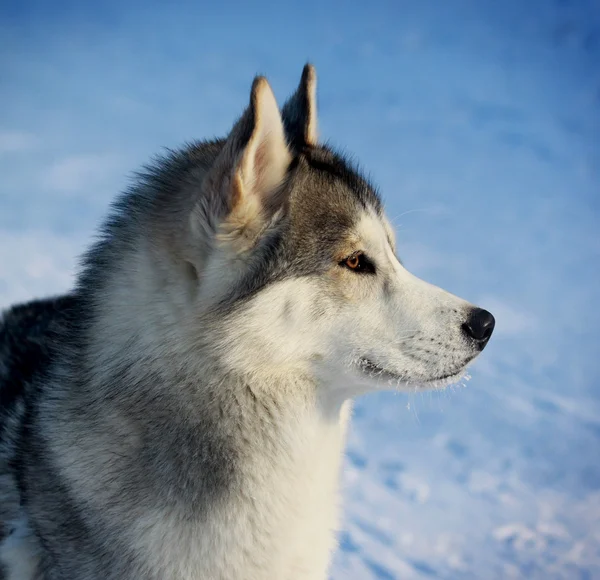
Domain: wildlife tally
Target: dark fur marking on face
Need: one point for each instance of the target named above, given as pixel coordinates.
(324, 159)
(328, 195)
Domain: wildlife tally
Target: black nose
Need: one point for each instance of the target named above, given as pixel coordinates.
(479, 326)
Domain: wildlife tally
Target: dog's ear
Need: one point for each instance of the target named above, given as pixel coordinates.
(252, 164)
(300, 111)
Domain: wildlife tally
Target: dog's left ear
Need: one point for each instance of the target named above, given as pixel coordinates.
(300, 111)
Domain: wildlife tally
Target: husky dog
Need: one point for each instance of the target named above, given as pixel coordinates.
(181, 414)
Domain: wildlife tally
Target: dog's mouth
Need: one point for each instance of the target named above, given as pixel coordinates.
(375, 371)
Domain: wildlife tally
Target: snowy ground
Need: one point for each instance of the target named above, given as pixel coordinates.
(480, 121)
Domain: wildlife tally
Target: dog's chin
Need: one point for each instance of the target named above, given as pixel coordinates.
(387, 377)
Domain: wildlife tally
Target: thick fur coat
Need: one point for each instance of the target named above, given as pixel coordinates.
(181, 414)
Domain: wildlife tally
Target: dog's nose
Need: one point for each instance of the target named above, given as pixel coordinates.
(479, 326)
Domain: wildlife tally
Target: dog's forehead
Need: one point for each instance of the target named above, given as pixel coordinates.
(345, 177)
(330, 196)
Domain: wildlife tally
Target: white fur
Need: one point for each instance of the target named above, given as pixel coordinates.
(283, 526)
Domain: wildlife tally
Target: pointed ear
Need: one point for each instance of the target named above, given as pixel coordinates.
(265, 157)
(300, 111)
(252, 163)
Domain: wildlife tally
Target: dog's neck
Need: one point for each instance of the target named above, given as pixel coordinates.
(164, 367)
(210, 441)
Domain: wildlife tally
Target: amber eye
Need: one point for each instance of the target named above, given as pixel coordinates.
(358, 262)
(353, 262)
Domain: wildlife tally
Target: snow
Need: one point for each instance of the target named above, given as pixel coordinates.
(480, 122)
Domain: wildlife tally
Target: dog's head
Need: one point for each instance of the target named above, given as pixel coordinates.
(286, 255)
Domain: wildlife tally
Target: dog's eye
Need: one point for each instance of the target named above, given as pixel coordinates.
(358, 262)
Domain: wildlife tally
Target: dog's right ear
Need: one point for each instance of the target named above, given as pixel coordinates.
(252, 164)
(300, 111)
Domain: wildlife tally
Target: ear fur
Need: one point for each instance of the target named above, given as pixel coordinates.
(265, 158)
(252, 163)
(300, 111)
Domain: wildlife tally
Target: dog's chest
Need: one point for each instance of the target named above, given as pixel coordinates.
(280, 523)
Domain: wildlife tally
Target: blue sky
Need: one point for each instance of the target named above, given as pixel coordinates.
(479, 121)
